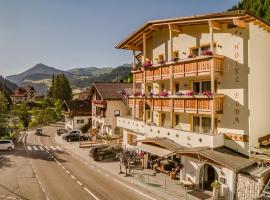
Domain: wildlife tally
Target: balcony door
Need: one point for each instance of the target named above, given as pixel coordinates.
(201, 124)
(199, 87)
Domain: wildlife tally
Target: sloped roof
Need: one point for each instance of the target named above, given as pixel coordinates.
(112, 91)
(221, 156)
(78, 106)
(223, 17)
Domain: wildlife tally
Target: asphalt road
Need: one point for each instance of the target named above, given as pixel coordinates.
(44, 170)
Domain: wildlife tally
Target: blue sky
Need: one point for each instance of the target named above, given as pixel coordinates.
(80, 33)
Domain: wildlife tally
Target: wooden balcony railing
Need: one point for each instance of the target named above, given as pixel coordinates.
(199, 66)
(196, 105)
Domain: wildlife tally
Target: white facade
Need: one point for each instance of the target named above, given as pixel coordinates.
(76, 122)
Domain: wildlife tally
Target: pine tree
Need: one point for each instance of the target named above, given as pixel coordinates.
(3, 112)
(261, 8)
(60, 88)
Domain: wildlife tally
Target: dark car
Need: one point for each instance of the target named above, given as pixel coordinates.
(75, 136)
(61, 131)
(39, 131)
(102, 152)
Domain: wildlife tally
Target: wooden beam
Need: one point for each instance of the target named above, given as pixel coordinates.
(175, 28)
(154, 28)
(216, 25)
(239, 23)
(133, 47)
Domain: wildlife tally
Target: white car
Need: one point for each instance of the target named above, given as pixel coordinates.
(6, 145)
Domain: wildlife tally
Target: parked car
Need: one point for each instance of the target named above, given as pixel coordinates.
(6, 145)
(102, 152)
(75, 135)
(39, 131)
(61, 131)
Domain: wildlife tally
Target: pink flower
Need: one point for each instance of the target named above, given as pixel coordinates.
(163, 94)
(190, 93)
(208, 93)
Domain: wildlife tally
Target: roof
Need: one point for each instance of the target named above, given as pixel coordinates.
(78, 107)
(112, 91)
(221, 156)
(84, 95)
(222, 17)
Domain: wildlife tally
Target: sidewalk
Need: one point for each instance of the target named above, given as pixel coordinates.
(160, 184)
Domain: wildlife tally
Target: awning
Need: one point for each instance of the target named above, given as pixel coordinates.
(162, 152)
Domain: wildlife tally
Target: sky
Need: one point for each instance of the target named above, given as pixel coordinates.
(81, 33)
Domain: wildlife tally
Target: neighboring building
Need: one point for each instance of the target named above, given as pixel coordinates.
(77, 114)
(108, 102)
(204, 94)
(24, 95)
(84, 94)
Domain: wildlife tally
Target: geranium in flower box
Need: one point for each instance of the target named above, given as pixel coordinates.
(190, 93)
(208, 93)
(163, 94)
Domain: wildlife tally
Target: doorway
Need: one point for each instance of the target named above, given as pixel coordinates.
(208, 175)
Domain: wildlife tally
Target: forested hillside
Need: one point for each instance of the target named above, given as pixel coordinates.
(261, 8)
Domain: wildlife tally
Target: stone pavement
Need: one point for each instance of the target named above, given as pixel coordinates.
(160, 184)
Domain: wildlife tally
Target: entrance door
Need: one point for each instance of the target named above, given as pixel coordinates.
(207, 176)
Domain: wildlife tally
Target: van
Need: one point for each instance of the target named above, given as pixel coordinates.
(6, 145)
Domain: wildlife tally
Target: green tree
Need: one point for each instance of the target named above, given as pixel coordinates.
(60, 88)
(3, 113)
(261, 8)
(23, 114)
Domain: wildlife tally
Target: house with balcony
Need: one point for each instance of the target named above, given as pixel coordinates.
(204, 82)
(109, 101)
(24, 95)
(77, 113)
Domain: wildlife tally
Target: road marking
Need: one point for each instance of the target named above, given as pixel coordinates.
(141, 193)
(58, 148)
(52, 148)
(67, 171)
(90, 193)
(72, 177)
(41, 148)
(63, 167)
(47, 148)
(79, 183)
(35, 148)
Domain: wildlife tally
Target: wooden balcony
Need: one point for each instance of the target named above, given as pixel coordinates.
(100, 103)
(193, 105)
(191, 67)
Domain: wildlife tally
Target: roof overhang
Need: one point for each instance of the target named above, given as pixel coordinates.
(237, 18)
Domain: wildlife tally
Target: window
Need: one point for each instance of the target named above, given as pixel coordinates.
(160, 57)
(117, 113)
(202, 124)
(177, 88)
(162, 88)
(163, 119)
(149, 88)
(177, 120)
(175, 54)
(131, 139)
(148, 115)
(197, 51)
(201, 86)
(196, 124)
(80, 121)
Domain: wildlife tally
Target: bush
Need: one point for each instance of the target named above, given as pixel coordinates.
(85, 128)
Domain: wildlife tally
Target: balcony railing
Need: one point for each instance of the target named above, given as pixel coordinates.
(99, 103)
(199, 66)
(196, 105)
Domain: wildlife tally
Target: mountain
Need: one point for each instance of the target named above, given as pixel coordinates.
(89, 71)
(6, 85)
(261, 8)
(40, 75)
(41, 70)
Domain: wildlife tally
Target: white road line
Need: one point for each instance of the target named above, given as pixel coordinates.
(67, 171)
(79, 183)
(41, 148)
(141, 193)
(52, 148)
(29, 148)
(90, 193)
(58, 148)
(107, 175)
(46, 147)
(63, 167)
(72, 177)
(35, 148)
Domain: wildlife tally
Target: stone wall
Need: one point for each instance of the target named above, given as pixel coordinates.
(248, 187)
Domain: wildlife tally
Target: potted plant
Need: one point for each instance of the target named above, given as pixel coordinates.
(208, 94)
(163, 94)
(216, 188)
(147, 64)
(207, 53)
(190, 93)
(161, 62)
(179, 94)
(175, 59)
